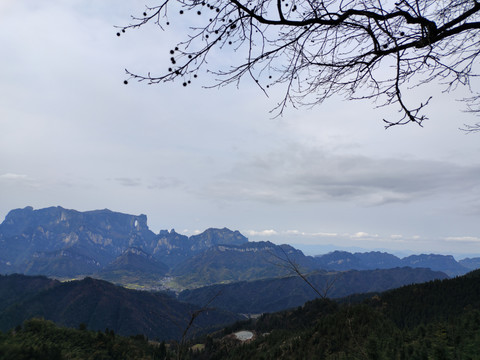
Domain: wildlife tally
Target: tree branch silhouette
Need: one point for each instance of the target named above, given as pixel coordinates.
(359, 49)
(287, 262)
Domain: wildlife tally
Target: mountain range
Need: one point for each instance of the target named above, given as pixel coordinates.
(218, 267)
(343, 260)
(118, 247)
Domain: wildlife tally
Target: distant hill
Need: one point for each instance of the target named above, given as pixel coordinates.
(100, 305)
(342, 260)
(269, 295)
(16, 287)
(436, 262)
(470, 263)
(250, 261)
(134, 269)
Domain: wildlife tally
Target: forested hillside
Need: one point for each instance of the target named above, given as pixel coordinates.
(39, 339)
(437, 320)
(269, 295)
(98, 304)
(444, 325)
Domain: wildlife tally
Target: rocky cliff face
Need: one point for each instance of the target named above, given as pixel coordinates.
(66, 243)
(246, 262)
(173, 248)
(32, 240)
(211, 237)
(61, 242)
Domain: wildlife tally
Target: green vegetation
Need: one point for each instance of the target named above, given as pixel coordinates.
(99, 304)
(325, 330)
(360, 332)
(432, 321)
(131, 279)
(269, 295)
(436, 320)
(40, 339)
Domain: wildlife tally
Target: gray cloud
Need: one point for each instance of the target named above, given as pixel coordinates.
(300, 175)
(163, 182)
(127, 181)
(13, 177)
(19, 180)
(160, 182)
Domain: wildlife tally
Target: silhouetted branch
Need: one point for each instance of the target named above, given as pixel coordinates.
(193, 317)
(471, 128)
(287, 262)
(359, 49)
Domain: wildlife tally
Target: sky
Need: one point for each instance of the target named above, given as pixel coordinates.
(322, 178)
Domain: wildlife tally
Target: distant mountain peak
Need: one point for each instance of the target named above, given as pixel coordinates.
(214, 236)
(66, 243)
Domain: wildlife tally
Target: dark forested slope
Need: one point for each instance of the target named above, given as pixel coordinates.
(99, 305)
(442, 321)
(271, 295)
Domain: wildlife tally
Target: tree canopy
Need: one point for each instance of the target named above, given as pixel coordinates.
(361, 49)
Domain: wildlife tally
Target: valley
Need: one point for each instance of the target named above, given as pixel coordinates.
(108, 270)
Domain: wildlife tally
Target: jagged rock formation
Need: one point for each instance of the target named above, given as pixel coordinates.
(66, 243)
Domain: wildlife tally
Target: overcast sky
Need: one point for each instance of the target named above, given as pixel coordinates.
(71, 134)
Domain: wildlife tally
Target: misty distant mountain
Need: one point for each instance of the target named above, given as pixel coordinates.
(379, 260)
(64, 243)
(342, 260)
(445, 263)
(173, 248)
(249, 261)
(31, 239)
(470, 263)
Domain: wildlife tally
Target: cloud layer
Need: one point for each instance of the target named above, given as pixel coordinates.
(298, 175)
(190, 158)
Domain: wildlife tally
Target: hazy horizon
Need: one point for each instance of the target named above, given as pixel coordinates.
(314, 248)
(192, 158)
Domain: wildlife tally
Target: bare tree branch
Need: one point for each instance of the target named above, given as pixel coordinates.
(359, 49)
(287, 262)
(193, 317)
